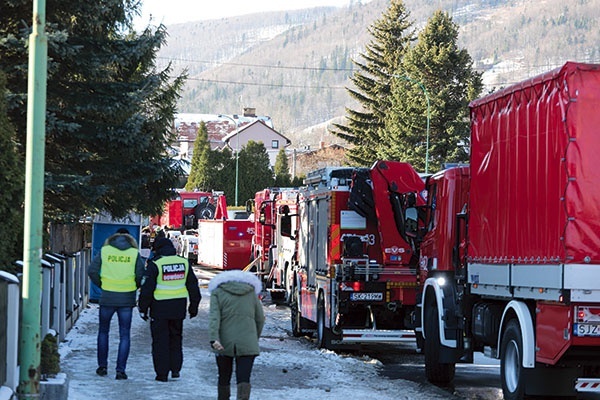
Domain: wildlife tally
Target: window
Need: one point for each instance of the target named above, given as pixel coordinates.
(274, 144)
(190, 203)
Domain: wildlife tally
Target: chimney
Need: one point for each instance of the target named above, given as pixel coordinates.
(249, 112)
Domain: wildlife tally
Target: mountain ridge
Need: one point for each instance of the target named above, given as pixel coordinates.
(295, 65)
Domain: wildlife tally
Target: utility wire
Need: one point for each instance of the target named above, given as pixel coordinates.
(293, 67)
(258, 65)
(296, 67)
(267, 84)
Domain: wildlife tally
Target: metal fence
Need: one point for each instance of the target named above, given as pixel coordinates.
(65, 293)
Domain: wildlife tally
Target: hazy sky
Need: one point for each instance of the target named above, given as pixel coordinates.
(177, 11)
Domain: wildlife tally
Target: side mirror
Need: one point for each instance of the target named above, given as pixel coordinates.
(285, 227)
(249, 206)
(261, 217)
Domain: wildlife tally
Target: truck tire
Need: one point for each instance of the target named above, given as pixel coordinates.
(295, 314)
(323, 333)
(437, 372)
(207, 212)
(511, 362)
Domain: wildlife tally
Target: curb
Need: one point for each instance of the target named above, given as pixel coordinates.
(56, 388)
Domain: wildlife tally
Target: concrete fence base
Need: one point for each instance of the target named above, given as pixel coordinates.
(56, 388)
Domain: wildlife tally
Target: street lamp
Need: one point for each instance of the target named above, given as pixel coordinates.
(407, 78)
(237, 153)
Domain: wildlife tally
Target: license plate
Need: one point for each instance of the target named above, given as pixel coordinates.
(587, 321)
(362, 296)
(587, 329)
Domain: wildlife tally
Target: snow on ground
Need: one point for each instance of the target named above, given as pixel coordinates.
(287, 368)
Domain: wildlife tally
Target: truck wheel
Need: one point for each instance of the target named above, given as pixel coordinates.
(511, 363)
(323, 333)
(437, 372)
(207, 212)
(295, 314)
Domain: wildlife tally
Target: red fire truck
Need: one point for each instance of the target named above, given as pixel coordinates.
(184, 210)
(272, 252)
(355, 268)
(510, 256)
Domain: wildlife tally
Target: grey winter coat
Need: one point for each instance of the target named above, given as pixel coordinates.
(236, 317)
(117, 299)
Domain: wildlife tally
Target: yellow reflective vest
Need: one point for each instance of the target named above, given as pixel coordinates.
(172, 275)
(118, 269)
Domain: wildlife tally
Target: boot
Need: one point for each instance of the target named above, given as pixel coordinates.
(224, 392)
(243, 391)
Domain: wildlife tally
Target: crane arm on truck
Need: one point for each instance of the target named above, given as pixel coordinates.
(391, 193)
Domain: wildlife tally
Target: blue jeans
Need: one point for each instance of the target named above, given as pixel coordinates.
(106, 314)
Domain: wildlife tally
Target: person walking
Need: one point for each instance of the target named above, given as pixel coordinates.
(117, 271)
(236, 320)
(166, 285)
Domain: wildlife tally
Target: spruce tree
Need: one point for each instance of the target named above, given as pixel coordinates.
(255, 171)
(224, 166)
(392, 36)
(202, 172)
(109, 110)
(438, 69)
(282, 170)
(11, 195)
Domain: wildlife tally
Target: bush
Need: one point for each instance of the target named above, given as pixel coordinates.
(50, 359)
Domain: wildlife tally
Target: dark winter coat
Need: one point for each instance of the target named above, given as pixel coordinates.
(236, 316)
(171, 308)
(117, 299)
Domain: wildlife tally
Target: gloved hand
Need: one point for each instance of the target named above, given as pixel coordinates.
(217, 345)
(144, 315)
(192, 311)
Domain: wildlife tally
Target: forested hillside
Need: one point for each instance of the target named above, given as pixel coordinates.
(294, 66)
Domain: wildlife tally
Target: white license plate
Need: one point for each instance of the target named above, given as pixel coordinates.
(587, 329)
(360, 296)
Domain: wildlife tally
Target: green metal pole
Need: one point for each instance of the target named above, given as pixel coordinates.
(30, 342)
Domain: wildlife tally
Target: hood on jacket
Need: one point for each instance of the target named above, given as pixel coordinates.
(164, 247)
(236, 276)
(121, 241)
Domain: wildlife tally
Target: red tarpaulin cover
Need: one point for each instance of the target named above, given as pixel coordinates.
(535, 168)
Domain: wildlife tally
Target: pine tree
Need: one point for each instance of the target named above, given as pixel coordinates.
(282, 170)
(255, 171)
(392, 36)
(202, 172)
(437, 69)
(109, 109)
(223, 163)
(11, 195)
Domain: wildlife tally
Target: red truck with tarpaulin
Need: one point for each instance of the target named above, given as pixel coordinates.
(510, 253)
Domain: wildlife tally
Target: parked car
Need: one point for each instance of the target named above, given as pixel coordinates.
(188, 245)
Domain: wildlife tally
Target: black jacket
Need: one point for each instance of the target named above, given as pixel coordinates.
(172, 308)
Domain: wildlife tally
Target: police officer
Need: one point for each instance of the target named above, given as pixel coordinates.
(117, 271)
(166, 285)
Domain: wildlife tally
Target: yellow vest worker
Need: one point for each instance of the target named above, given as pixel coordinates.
(117, 271)
(167, 284)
